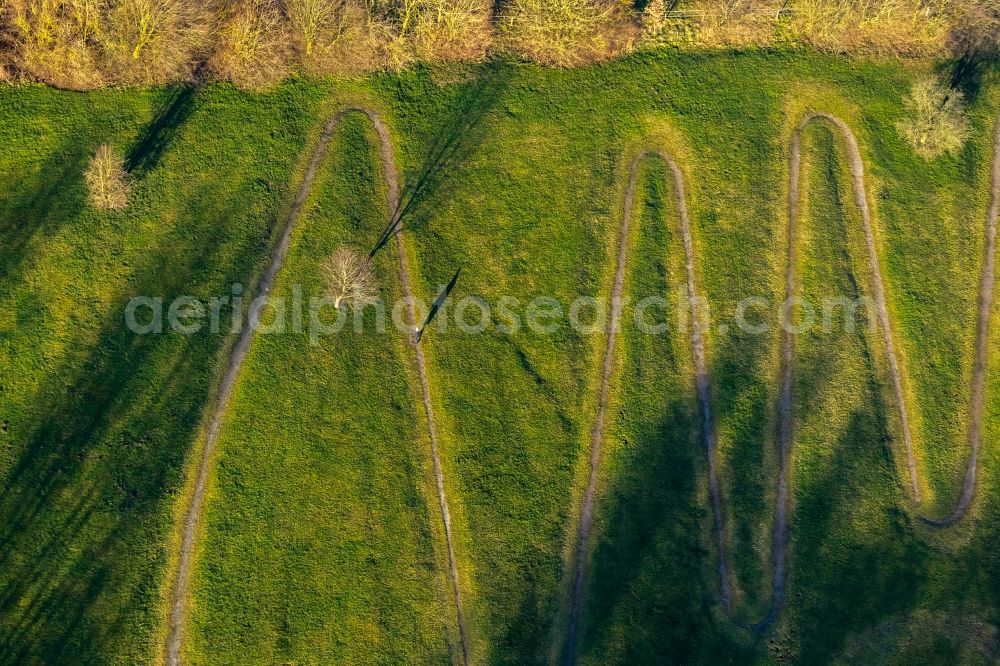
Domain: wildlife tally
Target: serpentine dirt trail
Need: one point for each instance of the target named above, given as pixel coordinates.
(785, 407)
(391, 177)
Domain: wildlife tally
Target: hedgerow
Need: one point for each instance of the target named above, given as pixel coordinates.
(85, 44)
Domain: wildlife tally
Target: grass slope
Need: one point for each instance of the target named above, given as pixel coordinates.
(318, 546)
(523, 217)
(97, 421)
(321, 538)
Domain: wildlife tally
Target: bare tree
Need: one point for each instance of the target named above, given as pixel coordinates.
(314, 23)
(107, 180)
(250, 44)
(453, 29)
(151, 41)
(86, 17)
(349, 278)
(975, 28)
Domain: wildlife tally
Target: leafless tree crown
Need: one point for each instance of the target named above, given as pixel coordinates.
(349, 278)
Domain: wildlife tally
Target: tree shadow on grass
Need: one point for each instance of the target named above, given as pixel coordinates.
(653, 590)
(86, 505)
(649, 599)
(56, 199)
(844, 580)
(60, 193)
(653, 593)
(175, 109)
(453, 142)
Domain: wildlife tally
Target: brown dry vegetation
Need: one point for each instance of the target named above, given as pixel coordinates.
(734, 23)
(251, 48)
(565, 32)
(107, 181)
(84, 44)
(890, 27)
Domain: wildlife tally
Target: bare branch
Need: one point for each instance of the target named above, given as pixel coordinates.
(107, 180)
(349, 278)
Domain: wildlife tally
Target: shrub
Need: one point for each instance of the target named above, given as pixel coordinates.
(250, 45)
(937, 123)
(107, 180)
(975, 28)
(564, 32)
(153, 41)
(53, 40)
(888, 27)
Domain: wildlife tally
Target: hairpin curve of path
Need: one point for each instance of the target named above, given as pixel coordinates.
(239, 353)
(784, 437)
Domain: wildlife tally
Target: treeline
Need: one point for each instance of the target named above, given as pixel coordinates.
(84, 44)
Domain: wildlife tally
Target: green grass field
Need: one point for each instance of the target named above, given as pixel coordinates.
(321, 539)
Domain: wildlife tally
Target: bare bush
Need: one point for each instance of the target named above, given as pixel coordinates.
(152, 41)
(250, 45)
(565, 32)
(401, 32)
(331, 36)
(314, 25)
(937, 122)
(452, 30)
(349, 278)
(975, 28)
(736, 22)
(107, 180)
(54, 41)
(653, 17)
(86, 16)
(888, 27)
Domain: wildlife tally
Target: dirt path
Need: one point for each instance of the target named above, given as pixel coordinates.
(597, 435)
(701, 378)
(239, 353)
(985, 306)
(391, 177)
(986, 286)
(785, 407)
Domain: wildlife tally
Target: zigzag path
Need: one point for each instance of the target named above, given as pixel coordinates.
(785, 406)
